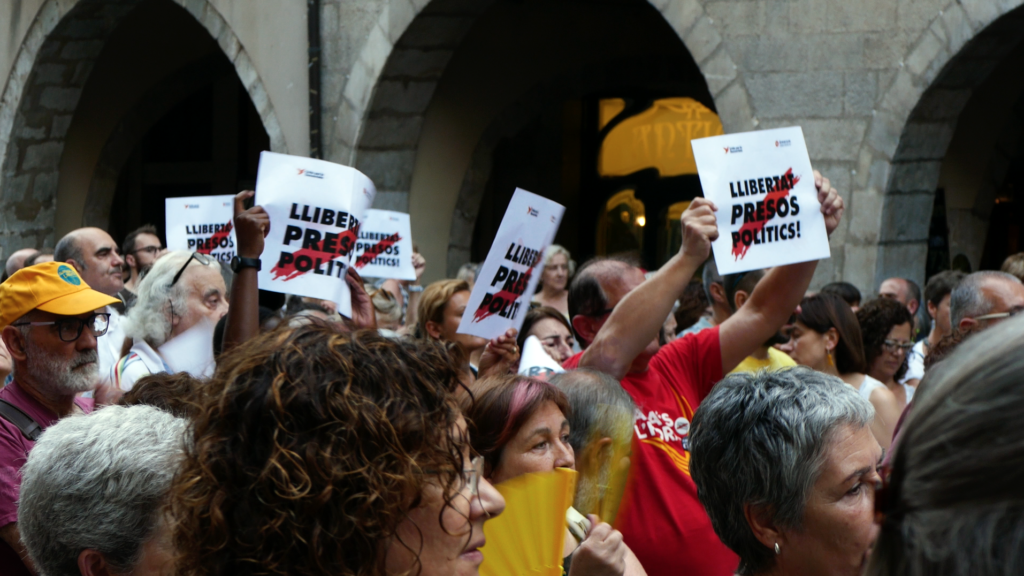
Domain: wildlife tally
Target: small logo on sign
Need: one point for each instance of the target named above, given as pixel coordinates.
(191, 206)
(68, 275)
(532, 211)
(782, 143)
(732, 149)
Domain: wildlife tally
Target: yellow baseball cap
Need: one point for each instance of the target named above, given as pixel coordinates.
(53, 287)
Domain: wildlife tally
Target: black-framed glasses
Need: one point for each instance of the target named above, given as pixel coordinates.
(70, 329)
(201, 258)
(894, 346)
(151, 250)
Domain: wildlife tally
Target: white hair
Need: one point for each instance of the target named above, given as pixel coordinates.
(150, 318)
(555, 250)
(97, 482)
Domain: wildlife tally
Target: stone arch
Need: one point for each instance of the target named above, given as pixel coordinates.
(405, 54)
(42, 91)
(914, 123)
(512, 119)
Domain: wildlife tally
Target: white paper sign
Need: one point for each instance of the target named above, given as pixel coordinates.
(384, 249)
(202, 224)
(191, 351)
(536, 362)
(315, 208)
(768, 210)
(509, 276)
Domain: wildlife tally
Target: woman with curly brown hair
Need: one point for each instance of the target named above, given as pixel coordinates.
(520, 425)
(885, 327)
(319, 453)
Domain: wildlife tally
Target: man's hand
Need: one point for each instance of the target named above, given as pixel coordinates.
(363, 314)
(602, 554)
(831, 202)
(700, 229)
(500, 356)
(251, 226)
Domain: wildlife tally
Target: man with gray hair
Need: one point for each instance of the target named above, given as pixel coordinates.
(601, 429)
(182, 291)
(983, 299)
(92, 490)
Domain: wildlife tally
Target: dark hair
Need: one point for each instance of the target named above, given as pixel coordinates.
(745, 281)
(309, 451)
(941, 284)
(31, 260)
(536, 315)
(177, 394)
(586, 297)
(877, 318)
(67, 248)
(824, 311)
(913, 290)
(848, 292)
(218, 330)
(692, 305)
(128, 246)
(498, 408)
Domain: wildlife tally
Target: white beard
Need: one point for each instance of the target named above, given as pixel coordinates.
(62, 376)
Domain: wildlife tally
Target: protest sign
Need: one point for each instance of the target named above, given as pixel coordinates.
(509, 275)
(315, 210)
(535, 361)
(768, 210)
(384, 248)
(202, 224)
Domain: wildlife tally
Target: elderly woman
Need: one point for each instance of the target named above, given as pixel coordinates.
(825, 336)
(552, 329)
(440, 311)
(886, 327)
(181, 291)
(301, 462)
(554, 280)
(520, 425)
(785, 464)
(952, 505)
(92, 492)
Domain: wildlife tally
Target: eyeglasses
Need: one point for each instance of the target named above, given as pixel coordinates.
(70, 329)
(997, 315)
(151, 250)
(472, 476)
(201, 258)
(894, 346)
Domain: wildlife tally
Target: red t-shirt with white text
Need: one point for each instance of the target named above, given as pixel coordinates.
(661, 518)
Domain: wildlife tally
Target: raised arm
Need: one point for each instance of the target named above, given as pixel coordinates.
(638, 317)
(776, 295)
(251, 227)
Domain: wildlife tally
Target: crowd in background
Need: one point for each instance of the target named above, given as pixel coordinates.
(764, 428)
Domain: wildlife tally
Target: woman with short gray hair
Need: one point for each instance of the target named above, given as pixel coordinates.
(786, 466)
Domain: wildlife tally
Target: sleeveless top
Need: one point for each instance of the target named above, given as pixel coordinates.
(868, 386)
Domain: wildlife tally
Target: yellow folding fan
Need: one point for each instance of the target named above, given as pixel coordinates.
(527, 539)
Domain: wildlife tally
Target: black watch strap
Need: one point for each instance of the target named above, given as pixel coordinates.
(238, 263)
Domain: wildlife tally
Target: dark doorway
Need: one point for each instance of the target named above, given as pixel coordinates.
(208, 144)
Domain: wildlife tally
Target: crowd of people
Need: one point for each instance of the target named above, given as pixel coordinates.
(156, 419)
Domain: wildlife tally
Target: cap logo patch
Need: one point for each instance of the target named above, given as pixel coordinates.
(68, 275)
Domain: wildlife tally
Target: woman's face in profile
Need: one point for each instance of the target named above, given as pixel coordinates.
(451, 546)
(838, 524)
(540, 445)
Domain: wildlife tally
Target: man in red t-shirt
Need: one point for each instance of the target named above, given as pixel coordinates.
(50, 320)
(616, 316)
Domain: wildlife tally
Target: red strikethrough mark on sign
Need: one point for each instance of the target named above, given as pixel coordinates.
(740, 249)
(484, 310)
(376, 250)
(214, 242)
(290, 272)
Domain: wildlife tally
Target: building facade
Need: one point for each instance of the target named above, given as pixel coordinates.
(914, 109)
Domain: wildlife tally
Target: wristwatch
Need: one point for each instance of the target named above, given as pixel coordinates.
(238, 263)
(414, 288)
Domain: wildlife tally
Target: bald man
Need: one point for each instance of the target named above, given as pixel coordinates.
(93, 253)
(17, 260)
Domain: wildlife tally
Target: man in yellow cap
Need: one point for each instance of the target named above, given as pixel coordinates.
(50, 321)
